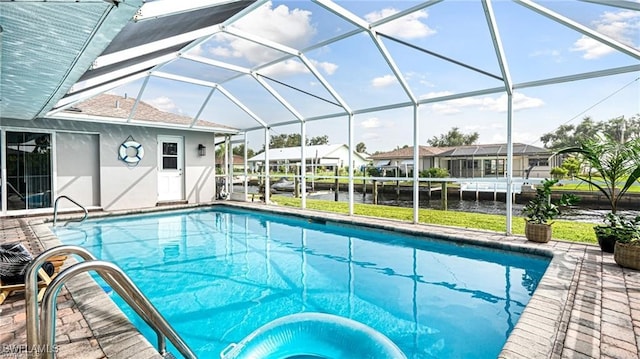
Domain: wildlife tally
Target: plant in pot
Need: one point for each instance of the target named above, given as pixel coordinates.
(612, 167)
(627, 246)
(540, 210)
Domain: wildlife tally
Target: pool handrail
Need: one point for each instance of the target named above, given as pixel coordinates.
(114, 276)
(31, 291)
(55, 210)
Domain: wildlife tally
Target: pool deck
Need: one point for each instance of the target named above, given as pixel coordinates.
(586, 306)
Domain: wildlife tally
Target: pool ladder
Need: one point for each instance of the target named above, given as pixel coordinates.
(55, 210)
(41, 336)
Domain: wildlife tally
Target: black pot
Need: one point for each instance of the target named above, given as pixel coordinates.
(607, 243)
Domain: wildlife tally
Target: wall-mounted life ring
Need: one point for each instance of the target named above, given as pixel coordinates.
(131, 152)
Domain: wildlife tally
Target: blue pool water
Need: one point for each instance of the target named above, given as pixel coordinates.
(218, 274)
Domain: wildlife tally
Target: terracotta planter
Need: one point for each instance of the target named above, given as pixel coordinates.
(538, 232)
(627, 255)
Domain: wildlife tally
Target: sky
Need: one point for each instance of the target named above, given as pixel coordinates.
(535, 47)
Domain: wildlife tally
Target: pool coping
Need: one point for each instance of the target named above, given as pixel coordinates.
(537, 333)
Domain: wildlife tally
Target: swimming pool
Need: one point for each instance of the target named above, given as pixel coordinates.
(218, 274)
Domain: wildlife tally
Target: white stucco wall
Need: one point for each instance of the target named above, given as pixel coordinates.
(77, 168)
(117, 185)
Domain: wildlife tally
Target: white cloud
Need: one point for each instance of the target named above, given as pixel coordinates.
(290, 27)
(622, 26)
(328, 67)
(520, 102)
(383, 81)
(372, 122)
(293, 67)
(555, 55)
(409, 26)
(163, 103)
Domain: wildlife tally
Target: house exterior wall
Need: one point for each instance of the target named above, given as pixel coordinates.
(117, 185)
(342, 153)
(77, 168)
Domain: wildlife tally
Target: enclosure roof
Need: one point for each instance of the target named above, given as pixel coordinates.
(494, 150)
(244, 65)
(407, 152)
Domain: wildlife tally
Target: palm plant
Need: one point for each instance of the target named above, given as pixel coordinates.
(608, 164)
(612, 167)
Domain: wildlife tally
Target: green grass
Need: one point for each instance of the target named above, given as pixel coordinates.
(562, 229)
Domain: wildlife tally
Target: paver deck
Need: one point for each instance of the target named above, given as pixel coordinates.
(586, 306)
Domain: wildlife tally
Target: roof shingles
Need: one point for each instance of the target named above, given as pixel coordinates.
(114, 106)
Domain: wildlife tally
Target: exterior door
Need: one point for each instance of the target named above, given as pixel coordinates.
(170, 168)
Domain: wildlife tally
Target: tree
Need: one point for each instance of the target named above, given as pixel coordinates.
(572, 165)
(239, 151)
(361, 147)
(318, 140)
(454, 138)
(619, 129)
(293, 140)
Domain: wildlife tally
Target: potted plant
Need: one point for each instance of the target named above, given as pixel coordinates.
(540, 210)
(627, 246)
(612, 167)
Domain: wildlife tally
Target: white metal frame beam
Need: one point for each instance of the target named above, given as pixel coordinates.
(580, 28)
(158, 9)
(508, 84)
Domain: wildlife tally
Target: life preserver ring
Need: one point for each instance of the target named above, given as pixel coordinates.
(128, 156)
(317, 335)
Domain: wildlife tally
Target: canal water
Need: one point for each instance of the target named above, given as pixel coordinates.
(454, 203)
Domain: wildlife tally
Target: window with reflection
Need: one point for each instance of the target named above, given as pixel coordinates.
(169, 156)
(28, 170)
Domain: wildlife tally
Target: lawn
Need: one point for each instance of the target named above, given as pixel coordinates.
(562, 229)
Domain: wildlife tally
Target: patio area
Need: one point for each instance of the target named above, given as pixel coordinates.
(586, 306)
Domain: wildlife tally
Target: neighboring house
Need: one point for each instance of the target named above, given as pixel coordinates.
(326, 156)
(470, 161)
(490, 160)
(102, 160)
(401, 160)
(236, 160)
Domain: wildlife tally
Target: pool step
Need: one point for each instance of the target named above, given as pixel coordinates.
(169, 355)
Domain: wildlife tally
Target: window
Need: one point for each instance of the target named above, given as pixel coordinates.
(538, 162)
(169, 156)
(28, 170)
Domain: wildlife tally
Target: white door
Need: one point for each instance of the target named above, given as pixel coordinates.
(170, 168)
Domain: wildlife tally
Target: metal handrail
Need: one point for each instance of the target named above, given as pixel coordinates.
(31, 292)
(116, 278)
(55, 210)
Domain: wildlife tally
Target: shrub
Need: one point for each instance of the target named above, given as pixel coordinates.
(435, 172)
(559, 172)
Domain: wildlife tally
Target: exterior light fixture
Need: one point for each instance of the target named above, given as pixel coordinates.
(202, 150)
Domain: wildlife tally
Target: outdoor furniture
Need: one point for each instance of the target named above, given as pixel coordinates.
(14, 260)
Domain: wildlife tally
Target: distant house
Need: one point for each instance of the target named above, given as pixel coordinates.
(491, 161)
(236, 160)
(401, 160)
(470, 161)
(327, 156)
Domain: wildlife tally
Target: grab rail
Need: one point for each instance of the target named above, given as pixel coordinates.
(115, 277)
(55, 210)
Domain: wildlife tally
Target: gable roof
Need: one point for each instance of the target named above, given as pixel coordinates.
(118, 107)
